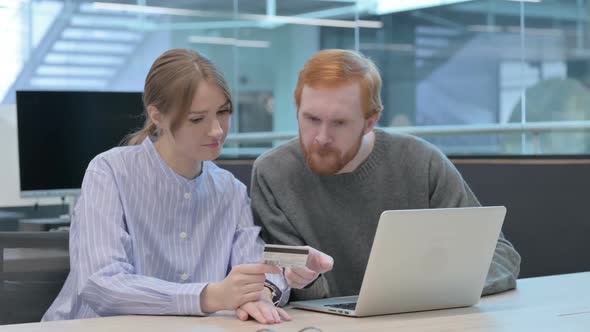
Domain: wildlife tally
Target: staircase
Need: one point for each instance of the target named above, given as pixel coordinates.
(83, 49)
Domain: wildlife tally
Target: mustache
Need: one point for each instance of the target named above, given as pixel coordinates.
(323, 150)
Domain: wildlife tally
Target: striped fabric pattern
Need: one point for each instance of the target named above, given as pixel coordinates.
(145, 240)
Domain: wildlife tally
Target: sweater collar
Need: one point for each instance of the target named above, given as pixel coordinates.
(365, 169)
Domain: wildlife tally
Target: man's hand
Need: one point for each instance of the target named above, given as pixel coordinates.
(317, 262)
(263, 311)
(245, 283)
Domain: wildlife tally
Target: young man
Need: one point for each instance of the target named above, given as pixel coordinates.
(327, 188)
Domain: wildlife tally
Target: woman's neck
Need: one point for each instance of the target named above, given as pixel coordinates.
(184, 167)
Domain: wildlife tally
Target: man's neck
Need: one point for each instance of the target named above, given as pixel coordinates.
(367, 144)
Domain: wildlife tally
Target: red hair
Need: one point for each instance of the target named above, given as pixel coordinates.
(334, 68)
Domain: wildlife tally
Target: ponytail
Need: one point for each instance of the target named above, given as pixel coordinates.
(136, 138)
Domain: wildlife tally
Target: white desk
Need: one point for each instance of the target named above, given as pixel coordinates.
(555, 303)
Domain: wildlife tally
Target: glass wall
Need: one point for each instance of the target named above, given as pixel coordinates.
(476, 77)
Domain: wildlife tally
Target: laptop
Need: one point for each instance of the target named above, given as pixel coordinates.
(423, 260)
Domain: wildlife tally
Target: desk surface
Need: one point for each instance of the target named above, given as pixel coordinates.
(555, 303)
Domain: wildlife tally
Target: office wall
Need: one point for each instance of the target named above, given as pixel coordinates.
(9, 174)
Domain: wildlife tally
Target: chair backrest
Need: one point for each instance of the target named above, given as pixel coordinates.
(33, 269)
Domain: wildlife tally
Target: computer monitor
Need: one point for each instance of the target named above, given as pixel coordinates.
(59, 132)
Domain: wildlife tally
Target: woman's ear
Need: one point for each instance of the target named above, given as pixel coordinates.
(155, 115)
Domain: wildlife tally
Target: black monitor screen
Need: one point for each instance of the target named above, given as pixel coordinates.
(60, 132)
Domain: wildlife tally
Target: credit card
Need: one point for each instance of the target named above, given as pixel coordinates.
(285, 256)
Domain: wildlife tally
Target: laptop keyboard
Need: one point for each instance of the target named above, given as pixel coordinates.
(347, 306)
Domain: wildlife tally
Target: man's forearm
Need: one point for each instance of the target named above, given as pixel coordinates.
(318, 290)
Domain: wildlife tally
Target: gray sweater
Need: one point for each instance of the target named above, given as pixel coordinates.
(338, 214)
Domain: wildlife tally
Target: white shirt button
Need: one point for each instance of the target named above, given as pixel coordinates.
(183, 235)
(187, 195)
(184, 276)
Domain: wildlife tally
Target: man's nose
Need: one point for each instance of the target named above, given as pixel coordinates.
(323, 136)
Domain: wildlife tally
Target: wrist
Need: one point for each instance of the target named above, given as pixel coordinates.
(312, 282)
(211, 299)
(267, 294)
(275, 292)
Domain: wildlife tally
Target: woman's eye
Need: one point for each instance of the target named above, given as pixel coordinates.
(223, 112)
(196, 120)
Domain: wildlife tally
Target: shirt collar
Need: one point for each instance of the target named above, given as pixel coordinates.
(167, 172)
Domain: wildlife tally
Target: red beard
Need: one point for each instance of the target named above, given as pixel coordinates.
(328, 160)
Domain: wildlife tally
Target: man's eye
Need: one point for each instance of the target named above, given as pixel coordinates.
(196, 120)
(223, 112)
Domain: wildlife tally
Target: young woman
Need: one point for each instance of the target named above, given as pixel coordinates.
(158, 228)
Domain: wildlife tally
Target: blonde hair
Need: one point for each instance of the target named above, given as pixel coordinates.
(333, 68)
(170, 86)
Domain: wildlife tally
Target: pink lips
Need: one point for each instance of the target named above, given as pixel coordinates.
(212, 145)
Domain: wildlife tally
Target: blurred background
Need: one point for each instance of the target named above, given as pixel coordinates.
(475, 77)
